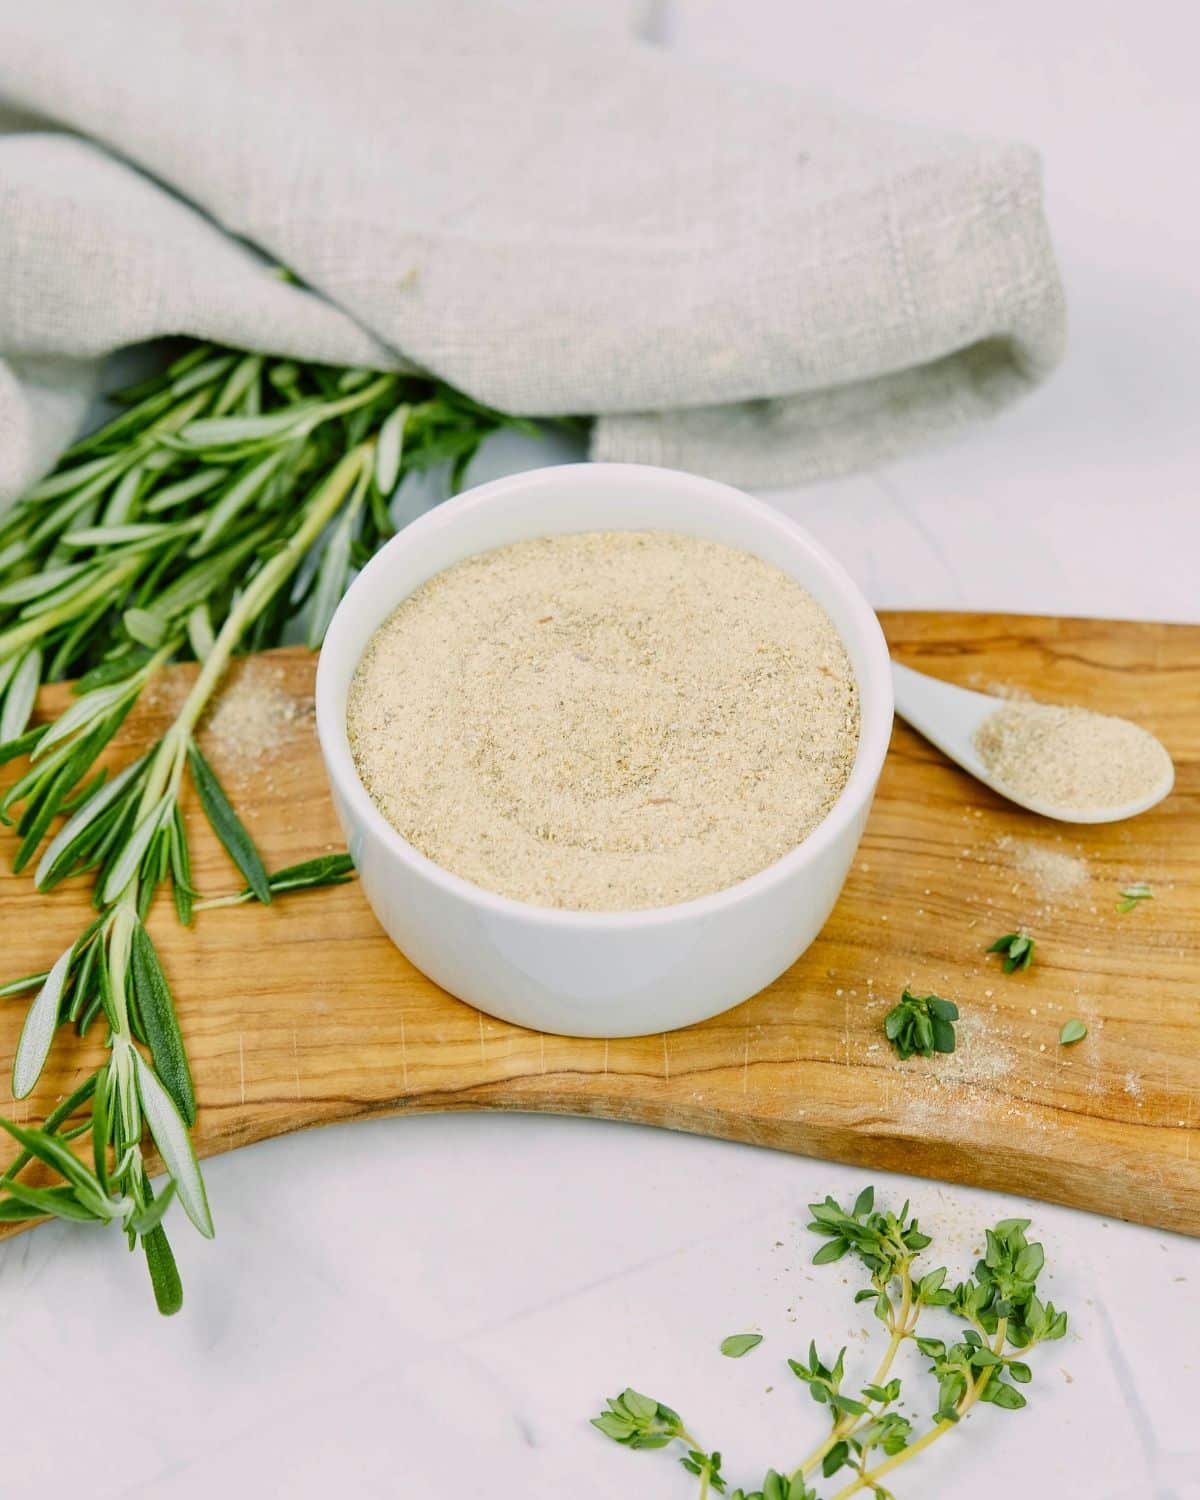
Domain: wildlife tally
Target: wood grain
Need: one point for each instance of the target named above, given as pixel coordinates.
(304, 1013)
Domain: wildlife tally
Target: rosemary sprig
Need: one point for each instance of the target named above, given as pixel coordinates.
(1000, 1318)
(173, 532)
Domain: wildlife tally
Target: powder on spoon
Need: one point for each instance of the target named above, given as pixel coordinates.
(1070, 758)
(605, 720)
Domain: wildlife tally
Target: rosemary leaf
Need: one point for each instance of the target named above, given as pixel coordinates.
(19, 696)
(145, 1223)
(174, 1145)
(181, 870)
(57, 857)
(59, 1201)
(37, 1034)
(388, 451)
(157, 1010)
(164, 1273)
(49, 1149)
(101, 1127)
(126, 865)
(19, 986)
(226, 824)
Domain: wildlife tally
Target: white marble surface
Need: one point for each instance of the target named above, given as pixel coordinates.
(435, 1306)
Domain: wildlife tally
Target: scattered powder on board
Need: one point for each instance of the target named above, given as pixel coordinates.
(606, 720)
(1052, 872)
(253, 715)
(1070, 758)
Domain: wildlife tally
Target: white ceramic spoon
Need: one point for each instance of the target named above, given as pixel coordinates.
(949, 716)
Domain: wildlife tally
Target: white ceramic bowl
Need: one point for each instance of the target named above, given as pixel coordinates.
(599, 973)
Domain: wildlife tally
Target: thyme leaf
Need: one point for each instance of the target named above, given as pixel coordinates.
(1131, 895)
(738, 1344)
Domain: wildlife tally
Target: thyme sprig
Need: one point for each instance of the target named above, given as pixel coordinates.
(235, 494)
(921, 1024)
(1000, 1318)
(1017, 948)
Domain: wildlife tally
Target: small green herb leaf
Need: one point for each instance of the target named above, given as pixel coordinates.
(1073, 1031)
(1131, 895)
(1002, 1395)
(638, 1421)
(1017, 948)
(738, 1344)
(921, 1024)
(835, 1458)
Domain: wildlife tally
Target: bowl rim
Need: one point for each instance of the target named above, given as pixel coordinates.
(875, 724)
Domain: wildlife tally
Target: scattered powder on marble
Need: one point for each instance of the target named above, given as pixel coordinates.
(1070, 758)
(607, 720)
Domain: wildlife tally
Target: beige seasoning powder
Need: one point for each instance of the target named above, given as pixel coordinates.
(605, 721)
(1070, 758)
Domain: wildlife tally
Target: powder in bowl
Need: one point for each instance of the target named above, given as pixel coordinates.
(605, 721)
(1070, 758)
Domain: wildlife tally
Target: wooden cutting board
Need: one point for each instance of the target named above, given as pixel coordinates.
(304, 1013)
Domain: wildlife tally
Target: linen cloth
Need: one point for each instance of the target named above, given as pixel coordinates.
(553, 217)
